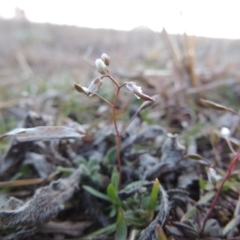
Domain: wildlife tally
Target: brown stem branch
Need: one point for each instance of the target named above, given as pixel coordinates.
(111, 78)
(104, 99)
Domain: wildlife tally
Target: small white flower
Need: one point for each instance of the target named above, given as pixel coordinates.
(225, 132)
(133, 88)
(213, 177)
(94, 86)
(137, 90)
(101, 66)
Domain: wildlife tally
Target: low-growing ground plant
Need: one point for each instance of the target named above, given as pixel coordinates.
(134, 208)
(137, 210)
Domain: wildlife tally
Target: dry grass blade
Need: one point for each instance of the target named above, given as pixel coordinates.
(10, 103)
(70, 228)
(194, 156)
(231, 225)
(217, 106)
(43, 133)
(24, 182)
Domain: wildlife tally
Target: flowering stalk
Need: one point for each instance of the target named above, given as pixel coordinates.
(101, 64)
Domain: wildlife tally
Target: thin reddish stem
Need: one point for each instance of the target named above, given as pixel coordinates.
(118, 136)
(114, 112)
(122, 85)
(104, 99)
(110, 77)
(214, 202)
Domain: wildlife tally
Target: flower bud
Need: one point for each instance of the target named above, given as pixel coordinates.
(79, 88)
(101, 66)
(106, 59)
(213, 177)
(94, 86)
(148, 103)
(133, 88)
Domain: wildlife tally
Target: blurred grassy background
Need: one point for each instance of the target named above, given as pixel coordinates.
(41, 61)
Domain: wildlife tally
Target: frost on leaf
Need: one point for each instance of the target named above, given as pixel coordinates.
(44, 205)
(172, 150)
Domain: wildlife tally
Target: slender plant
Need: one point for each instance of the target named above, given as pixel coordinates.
(102, 67)
(227, 176)
(232, 165)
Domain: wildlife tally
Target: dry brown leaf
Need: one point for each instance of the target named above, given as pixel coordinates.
(194, 156)
(44, 205)
(216, 106)
(43, 133)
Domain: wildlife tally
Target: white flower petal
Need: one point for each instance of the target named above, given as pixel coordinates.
(101, 66)
(94, 86)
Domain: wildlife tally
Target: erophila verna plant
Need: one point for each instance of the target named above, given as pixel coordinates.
(102, 67)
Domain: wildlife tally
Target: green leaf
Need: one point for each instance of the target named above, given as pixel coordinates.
(232, 224)
(95, 169)
(65, 170)
(212, 228)
(137, 218)
(153, 199)
(115, 179)
(85, 170)
(121, 227)
(111, 156)
(25, 171)
(134, 185)
(96, 193)
(112, 194)
(107, 231)
(80, 160)
(206, 198)
(202, 183)
(92, 163)
(189, 214)
(160, 233)
(113, 212)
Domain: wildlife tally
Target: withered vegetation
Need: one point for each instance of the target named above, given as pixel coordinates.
(97, 166)
(43, 206)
